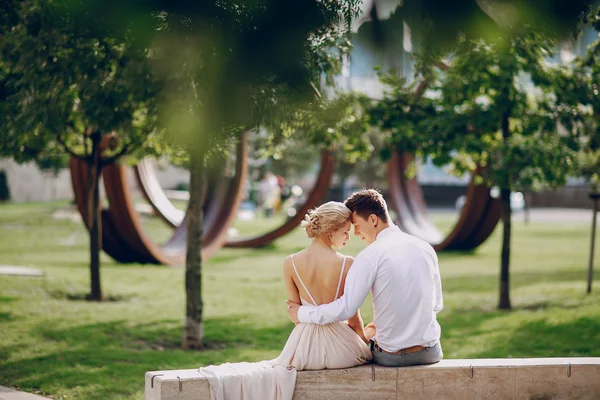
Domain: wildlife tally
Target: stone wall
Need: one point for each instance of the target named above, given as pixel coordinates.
(27, 183)
(568, 196)
(518, 378)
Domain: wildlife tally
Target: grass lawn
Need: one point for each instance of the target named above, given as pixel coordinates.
(66, 348)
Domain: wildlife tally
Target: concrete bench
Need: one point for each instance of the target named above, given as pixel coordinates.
(512, 378)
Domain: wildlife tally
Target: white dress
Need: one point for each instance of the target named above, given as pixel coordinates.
(309, 347)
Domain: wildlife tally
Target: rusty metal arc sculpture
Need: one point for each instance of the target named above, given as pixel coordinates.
(165, 210)
(123, 237)
(125, 241)
(477, 220)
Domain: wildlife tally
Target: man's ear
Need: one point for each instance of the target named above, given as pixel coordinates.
(374, 220)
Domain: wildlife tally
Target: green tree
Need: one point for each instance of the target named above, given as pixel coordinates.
(369, 167)
(579, 114)
(236, 65)
(492, 113)
(68, 89)
(578, 91)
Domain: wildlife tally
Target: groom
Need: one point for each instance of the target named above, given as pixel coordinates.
(402, 273)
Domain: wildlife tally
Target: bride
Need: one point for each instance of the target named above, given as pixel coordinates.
(315, 275)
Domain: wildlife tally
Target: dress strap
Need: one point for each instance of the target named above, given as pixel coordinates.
(302, 283)
(341, 276)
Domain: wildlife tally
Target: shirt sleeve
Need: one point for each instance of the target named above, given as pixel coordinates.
(359, 280)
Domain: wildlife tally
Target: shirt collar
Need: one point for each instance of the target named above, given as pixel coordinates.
(387, 231)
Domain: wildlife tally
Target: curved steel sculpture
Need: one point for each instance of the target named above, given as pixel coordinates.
(149, 185)
(167, 212)
(477, 220)
(123, 236)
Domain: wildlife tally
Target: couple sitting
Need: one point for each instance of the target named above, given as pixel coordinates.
(326, 289)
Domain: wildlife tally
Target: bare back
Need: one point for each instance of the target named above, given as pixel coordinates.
(318, 271)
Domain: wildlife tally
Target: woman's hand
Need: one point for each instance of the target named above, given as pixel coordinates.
(292, 309)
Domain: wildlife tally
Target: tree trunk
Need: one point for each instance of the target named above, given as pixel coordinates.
(590, 274)
(526, 198)
(95, 222)
(193, 331)
(504, 301)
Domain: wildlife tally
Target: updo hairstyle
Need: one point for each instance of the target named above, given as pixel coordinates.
(325, 219)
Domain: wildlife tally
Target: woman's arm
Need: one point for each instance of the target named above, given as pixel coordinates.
(290, 285)
(356, 323)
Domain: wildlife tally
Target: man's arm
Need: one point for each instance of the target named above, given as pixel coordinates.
(358, 283)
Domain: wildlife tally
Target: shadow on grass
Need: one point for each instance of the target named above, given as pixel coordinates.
(99, 355)
(458, 322)
(6, 317)
(7, 299)
(451, 254)
(487, 283)
(541, 338)
(83, 296)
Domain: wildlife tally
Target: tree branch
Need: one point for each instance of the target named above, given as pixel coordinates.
(441, 65)
(315, 90)
(111, 160)
(424, 84)
(68, 149)
(85, 142)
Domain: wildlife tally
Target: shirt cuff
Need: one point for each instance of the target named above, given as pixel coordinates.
(303, 314)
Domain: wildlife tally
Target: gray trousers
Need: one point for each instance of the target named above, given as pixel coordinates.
(429, 355)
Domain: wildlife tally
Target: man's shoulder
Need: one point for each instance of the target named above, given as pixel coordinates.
(368, 252)
(415, 240)
(372, 252)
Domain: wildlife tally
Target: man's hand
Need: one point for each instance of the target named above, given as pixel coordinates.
(293, 311)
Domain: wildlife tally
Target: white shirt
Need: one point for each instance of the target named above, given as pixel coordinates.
(403, 275)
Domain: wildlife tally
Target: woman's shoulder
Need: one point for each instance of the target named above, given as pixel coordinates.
(293, 257)
(349, 259)
(342, 256)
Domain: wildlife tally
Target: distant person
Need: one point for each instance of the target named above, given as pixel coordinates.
(402, 273)
(270, 193)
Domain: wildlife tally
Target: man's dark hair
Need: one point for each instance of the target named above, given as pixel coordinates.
(366, 202)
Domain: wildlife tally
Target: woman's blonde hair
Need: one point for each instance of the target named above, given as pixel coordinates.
(325, 219)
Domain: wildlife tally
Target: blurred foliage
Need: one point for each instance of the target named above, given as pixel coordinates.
(337, 124)
(292, 158)
(60, 81)
(227, 66)
(198, 73)
(436, 25)
(370, 170)
(578, 93)
(291, 146)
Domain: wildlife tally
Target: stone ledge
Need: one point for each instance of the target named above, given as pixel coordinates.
(510, 378)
